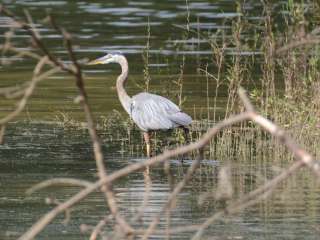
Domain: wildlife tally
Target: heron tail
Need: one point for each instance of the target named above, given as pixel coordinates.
(181, 118)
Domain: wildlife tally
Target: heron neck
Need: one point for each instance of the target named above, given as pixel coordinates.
(121, 81)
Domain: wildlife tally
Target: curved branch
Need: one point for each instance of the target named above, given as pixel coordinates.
(102, 171)
(58, 181)
(27, 94)
(47, 218)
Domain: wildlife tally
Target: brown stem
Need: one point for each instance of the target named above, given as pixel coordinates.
(47, 218)
(106, 188)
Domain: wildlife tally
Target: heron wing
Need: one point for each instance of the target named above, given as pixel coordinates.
(152, 112)
(181, 118)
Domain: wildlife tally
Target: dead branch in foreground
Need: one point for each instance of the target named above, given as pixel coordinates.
(303, 158)
(75, 70)
(122, 229)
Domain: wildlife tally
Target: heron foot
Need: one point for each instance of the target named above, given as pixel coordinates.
(146, 173)
(146, 137)
(148, 150)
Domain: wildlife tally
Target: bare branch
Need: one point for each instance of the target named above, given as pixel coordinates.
(295, 44)
(2, 132)
(146, 196)
(27, 93)
(31, 23)
(299, 153)
(97, 230)
(75, 70)
(22, 52)
(245, 100)
(47, 218)
(57, 181)
(95, 139)
(173, 196)
(67, 212)
(36, 40)
(250, 199)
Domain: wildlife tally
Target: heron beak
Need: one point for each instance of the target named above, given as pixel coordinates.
(95, 62)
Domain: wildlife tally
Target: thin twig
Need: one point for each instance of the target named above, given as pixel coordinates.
(47, 218)
(250, 199)
(75, 70)
(111, 201)
(146, 196)
(27, 94)
(295, 44)
(245, 100)
(97, 229)
(2, 132)
(22, 52)
(67, 212)
(58, 181)
(38, 42)
(31, 23)
(173, 196)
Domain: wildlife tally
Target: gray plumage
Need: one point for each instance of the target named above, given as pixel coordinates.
(153, 112)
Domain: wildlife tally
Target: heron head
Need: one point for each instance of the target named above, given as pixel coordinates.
(109, 58)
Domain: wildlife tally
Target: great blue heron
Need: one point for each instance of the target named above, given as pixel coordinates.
(149, 111)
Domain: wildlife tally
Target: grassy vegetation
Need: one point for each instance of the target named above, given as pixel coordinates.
(283, 81)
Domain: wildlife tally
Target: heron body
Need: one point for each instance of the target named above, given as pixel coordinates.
(148, 111)
(153, 112)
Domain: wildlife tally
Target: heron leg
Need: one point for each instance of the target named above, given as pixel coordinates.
(146, 137)
(187, 141)
(186, 134)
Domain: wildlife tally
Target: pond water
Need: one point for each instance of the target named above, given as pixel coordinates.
(37, 148)
(33, 153)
